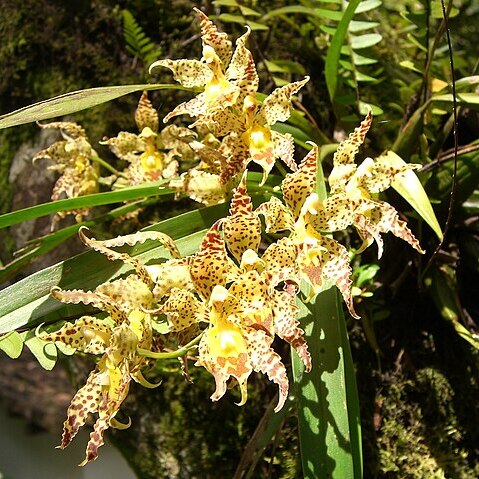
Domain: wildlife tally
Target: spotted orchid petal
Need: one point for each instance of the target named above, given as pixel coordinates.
(343, 160)
(146, 115)
(108, 408)
(174, 273)
(86, 400)
(265, 360)
(236, 152)
(125, 145)
(139, 238)
(377, 175)
(182, 309)
(188, 73)
(211, 37)
(280, 259)
(100, 301)
(129, 293)
(210, 266)
(277, 216)
(287, 326)
(336, 213)
(242, 228)
(298, 185)
(242, 68)
(69, 130)
(278, 106)
(252, 306)
(380, 217)
(201, 186)
(87, 334)
(284, 149)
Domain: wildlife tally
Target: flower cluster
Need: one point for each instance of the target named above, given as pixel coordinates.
(235, 296)
(73, 157)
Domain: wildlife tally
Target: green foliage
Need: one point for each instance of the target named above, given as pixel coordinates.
(138, 43)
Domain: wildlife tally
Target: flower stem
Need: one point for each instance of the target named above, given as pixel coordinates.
(173, 354)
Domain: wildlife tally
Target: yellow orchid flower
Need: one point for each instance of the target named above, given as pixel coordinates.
(320, 259)
(225, 76)
(72, 157)
(152, 155)
(352, 189)
(249, 134)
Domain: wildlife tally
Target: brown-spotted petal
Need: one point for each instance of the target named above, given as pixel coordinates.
(242, 229)
(278, 106)
(297, 186)
(146, 115)
(277, 216)
(215, 39)
(87, 334)
(343, 160)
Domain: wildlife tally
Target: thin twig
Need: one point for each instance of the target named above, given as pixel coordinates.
(452, 197)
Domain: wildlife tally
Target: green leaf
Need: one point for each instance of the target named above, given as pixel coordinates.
(411, 189)
(365, 41)
(72, 102)
(368, 5)
(328, 405)
(248, 12)
(360, 60)
(358, 26)
(46, 353)
(126, 194)
(466, 99)
(334, 51)
(12, 344)
(230, 18)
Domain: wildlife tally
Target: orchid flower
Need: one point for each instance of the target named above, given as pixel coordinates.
(320, 259)
(249, 134)
(244, 306)
(72, 157)
(152, 155)
(352, 189)
(226, 76)
(117, 337)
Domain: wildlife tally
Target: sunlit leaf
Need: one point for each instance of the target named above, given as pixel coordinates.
(410, 188)
(73, 102)
(127, 194)
(11, 344)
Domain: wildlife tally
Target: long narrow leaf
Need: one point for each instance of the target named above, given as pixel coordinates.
(328, 406)
(127, 194)
(73, 102)
(334, 51)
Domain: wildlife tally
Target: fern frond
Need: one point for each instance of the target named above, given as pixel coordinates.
(138, 44)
